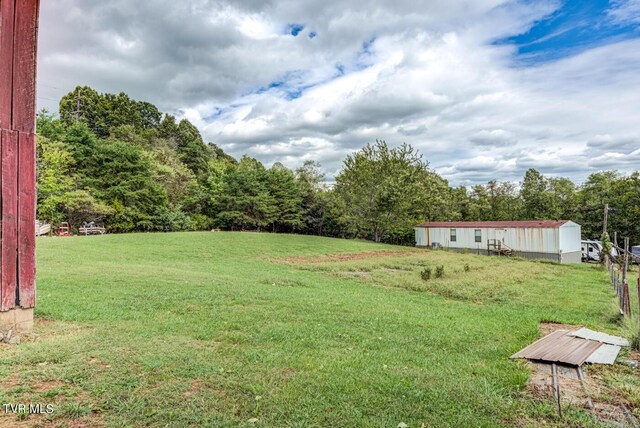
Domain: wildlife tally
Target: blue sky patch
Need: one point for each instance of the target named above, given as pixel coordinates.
(217, 112)
(574, 27)
(312, 34)
(291, 85)
(364, 57)
(295, 29)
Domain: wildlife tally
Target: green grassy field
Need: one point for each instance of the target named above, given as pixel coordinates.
(246, 329)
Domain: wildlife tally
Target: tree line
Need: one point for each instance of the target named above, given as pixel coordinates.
(111, 159)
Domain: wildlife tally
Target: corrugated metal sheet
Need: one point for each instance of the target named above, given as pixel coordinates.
(544, 224)
(585, 333)
(534, 240)
(421, 237)
(561, 239)
(605, 354)
(560, 347)
(571, 238)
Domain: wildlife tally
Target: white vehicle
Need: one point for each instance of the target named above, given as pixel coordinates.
(635, 254)
(591, 251)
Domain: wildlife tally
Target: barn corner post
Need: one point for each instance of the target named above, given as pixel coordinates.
(18, 48)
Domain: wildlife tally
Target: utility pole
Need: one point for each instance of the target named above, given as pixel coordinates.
(78, 108)
(606, 218)
(78, 105)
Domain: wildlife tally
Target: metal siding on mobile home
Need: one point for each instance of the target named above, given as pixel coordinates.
(536, 239)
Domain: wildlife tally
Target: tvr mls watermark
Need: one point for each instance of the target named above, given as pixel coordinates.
(31, 409)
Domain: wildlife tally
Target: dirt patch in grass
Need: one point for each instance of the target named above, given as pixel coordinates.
(344, 257)
(594, 397)
(11, 382)
(46, 329)
(288, 373)
(550, 327)
(541, 384)
(91, 421)
(96, 361)
(38, 386)
(43, 393)
(357, 273)
(47, 385)
(41, 421)
(196, 388)
(283, 282)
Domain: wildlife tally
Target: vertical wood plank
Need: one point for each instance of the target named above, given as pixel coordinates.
(26, 220)
(6, 61)
(9, 218)
(24, 65)
(2, 132)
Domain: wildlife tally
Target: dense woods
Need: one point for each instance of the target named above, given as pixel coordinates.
(122, 162)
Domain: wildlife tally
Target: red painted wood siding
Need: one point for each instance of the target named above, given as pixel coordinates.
(26, 219)
(9, 218)
(24, 65)
(6, 61)
(18, 47)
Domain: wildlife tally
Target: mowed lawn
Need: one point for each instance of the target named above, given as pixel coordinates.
(248, 329)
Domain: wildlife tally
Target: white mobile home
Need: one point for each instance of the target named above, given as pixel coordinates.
(557, 240)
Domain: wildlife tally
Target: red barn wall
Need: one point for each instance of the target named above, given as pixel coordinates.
(18, 44)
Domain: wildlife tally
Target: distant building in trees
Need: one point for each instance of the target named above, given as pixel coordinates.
(557, 240)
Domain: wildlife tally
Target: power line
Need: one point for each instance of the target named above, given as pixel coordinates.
(49, 86)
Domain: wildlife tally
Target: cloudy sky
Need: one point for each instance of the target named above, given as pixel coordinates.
(485, 89)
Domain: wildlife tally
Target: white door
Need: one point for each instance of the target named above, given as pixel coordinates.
(500, 234)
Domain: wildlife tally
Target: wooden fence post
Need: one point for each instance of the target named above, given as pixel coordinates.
(625, 281)
(627, 299)
(638, 287)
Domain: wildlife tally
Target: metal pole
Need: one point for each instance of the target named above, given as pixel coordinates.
(584, 388)
(605, 257)
(556, 387)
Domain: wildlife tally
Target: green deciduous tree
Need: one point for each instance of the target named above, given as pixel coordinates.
(381, 188)
(534, 195)
(287, 200)
(191, 150)
(121, 175)
(314, 197)
(244, 202)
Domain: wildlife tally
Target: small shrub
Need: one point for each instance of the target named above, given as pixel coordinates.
(440, 271)
(426, 274)
(466, 267)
